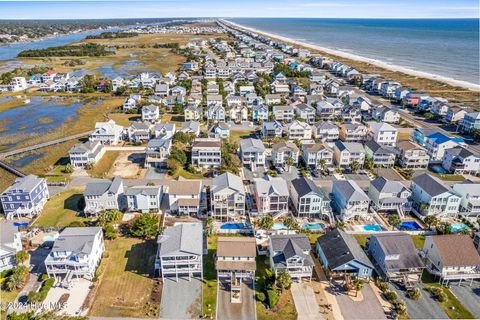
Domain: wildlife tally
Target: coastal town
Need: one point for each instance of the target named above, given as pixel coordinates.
(232, 175)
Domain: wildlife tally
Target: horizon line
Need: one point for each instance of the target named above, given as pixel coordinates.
(226, 18)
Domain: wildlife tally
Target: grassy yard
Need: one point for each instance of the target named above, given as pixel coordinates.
(124, 119)
(125, 283)
(449, 177)
(452, 307)
(285, 309)
(101, 168)
(179, 120)
(181, 172)
(236, 136)
(418, 241)
(61, 209)
(210, 278)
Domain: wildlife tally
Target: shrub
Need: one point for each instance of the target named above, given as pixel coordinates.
(77, 224)
(260, 296)
(21, 256)
(400, 308)
(41, 295)
(273, 298)
(383, 286)
(390, 295)
(414, 293)
(438, 294)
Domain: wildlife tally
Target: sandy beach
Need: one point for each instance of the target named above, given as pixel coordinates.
(381, 64)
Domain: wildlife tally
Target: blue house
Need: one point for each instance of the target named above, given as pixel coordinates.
(25, 197)
(340, 254)
(260, 112)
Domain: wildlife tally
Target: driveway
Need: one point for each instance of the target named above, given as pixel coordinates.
(236, 311)
(182, 299)
(155, 173)
(468, 295)
(424, 308)
(37, 268)
(75, 297)
(368, 308)
(305, 301)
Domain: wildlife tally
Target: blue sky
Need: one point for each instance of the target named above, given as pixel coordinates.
(239, 8)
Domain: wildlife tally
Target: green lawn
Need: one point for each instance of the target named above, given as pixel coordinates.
(61, 209)
(102, 167)
(187, 175)
(452, 307)
(210, 279)
(236, 136)
(418, 241)
(285, 309)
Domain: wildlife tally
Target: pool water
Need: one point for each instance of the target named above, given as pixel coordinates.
(232, 226)
(410, 225)
(279, 226)
(439, 169)
(371, 227)
(458, 227)
(314, 226)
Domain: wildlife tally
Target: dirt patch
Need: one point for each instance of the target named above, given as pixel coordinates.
(129, 165)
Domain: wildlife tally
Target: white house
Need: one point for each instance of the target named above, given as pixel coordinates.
(283, 150)
(150, 113)
(76, 252)
(345, 153)
(184, 196)
(431, 196)
(459, 160)
(299, 130)
(382, 133)
(317, 155)
(82, 154)
(470, 198)
(284, 113)
(291, 253)
(157, 152)
(389, 195)
(107, 132)
(309, 201)
(349, 200)
(206, 152)
(143, 199)
(227, 196)
(10, 244)
(252, 152)
(104, 195)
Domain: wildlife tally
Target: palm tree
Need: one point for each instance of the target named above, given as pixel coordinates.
(431, 221)
(355, 166)
(322, 164)
(210, 222)
(289, 162)
(358, 284)
(394, 220)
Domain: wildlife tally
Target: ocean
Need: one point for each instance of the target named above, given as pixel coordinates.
(445, 47)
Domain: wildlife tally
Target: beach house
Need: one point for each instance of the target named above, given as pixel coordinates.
(227, 196)
(291, 253)
(349, 201)
(25, 197)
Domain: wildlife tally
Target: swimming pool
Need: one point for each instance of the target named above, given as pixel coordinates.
(371, 227)
(20, 224)
(279, 226)
(439, 169)
(458, 227)
(232, 226)
(314, 226)
(410, 225)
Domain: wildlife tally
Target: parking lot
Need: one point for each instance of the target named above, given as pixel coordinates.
(236, 311)
(182, 299)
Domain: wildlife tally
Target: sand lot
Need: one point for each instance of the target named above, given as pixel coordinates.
(129, 165)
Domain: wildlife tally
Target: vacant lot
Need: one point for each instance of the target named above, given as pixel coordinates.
(126, 282)
(128, 165)
(62, 209)
(102, 167)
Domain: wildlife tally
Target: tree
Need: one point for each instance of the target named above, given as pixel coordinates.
(431, 221)
(179, 155)
(290, 223)
(284, 281)
(21, 256)
(289, 162)
(110, 232)
(106, 217)
(145, 226)
(476, 134)
(173, 165)
(423, 207)
(368, 163)
(210, 224)
(322, 163)
(16, 279)
(355, 166)
(273, 298)
(267, 222)
(444, 228)
(408, 173)
(68, 168)
(358, 285)
(414, 293)
(394, 220)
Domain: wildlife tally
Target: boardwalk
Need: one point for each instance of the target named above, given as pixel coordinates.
(11, 169)
(43, 145)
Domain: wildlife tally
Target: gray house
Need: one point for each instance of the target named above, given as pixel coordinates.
(252, 152)
(104, 195)
(396, 257)
(227, 197)
(309, 201)
(144, 198)
(390, 195)
(349, 200)
(291, 253)
(180, 250)
(10, 244)
(341, 254)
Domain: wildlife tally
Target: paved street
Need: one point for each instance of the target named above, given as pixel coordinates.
(236, 311)
(305, 301)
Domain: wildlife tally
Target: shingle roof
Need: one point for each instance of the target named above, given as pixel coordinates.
(457, 250)
(182, 238)
(283, 146)
(399, 244)
(430, 184)
(304, 186)
(227, 180)
(26, 184)
(184, 187)
(388, 186)
(291, 245)
(76, 240)
(340, 248)
(236, 247)
(271, 186)
(350, 190)
(100, 187)
(252, 145)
